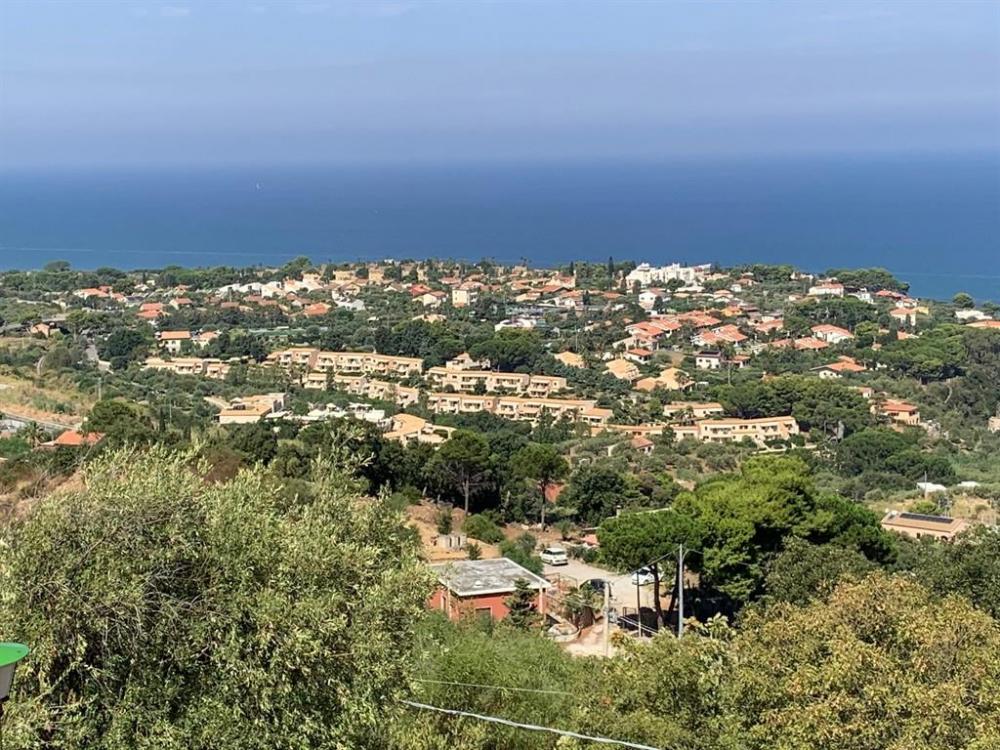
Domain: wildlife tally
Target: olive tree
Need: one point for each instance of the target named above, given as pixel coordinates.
(164, 611)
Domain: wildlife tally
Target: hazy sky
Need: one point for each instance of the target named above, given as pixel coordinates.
(397, 80)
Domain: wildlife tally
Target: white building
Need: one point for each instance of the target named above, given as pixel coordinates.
(647, 275)
(708, 360)
(966, 315)
(831, 334)
(515, 323)
(827, 289)
(647, 299)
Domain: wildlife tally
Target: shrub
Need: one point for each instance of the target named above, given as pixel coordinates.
(445, 523)
(483, 528)
(522, 551)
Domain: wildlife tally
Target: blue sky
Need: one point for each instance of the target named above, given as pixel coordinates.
(213, 81)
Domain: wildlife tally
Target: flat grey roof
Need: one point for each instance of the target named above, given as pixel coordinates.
(497, 576)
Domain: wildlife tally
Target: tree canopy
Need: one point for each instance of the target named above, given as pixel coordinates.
(815, 403)
(912, 672)
(166, 612)
(461, 464)
(541, 464)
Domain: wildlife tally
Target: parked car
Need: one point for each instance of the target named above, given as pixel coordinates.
(554, 556)
(642, 577)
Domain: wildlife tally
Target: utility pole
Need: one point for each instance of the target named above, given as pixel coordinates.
(607, 618)
(680, 590)
(638, 605)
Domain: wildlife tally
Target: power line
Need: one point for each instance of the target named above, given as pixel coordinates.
(495, 687)
(530, 727)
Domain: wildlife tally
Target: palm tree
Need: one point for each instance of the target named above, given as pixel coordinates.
(32, 433)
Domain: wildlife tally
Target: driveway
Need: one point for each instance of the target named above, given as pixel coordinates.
(622, 590)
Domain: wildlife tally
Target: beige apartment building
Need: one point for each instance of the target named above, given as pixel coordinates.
(518, 408)
(531, 409)
(467, 381)
(460, 403)
(209, 368)
(368, 363)
(216, 369)
(465, 295)
(358, 385)
(714, 430)
(735, 430)
(647, 430)
(348, 363)
(251, 409)
(696, 410)
(511, 407)
(464, 361)
(303, 357)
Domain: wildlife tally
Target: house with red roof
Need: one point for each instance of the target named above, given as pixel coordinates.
(73, 439)
(831, 334)
(766, 327)
(808, 344)
(172, 341)
(899, 412)
(843, 366)
(316, 310)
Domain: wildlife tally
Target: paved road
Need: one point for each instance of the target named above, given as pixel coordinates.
(26, 419)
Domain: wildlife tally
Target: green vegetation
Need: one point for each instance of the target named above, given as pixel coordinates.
(483, 528)
(256, 586)
(207, 614)
(737, 523)
(824, 406)
(463, 462)
(914, 671)
(227, 610)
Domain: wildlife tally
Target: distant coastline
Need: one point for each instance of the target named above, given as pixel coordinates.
(906, 215)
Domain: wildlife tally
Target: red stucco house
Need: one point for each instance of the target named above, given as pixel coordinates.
(481, 587)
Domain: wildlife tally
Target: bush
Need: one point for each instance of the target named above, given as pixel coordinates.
(586, 554)
(522, 551)
(13, 446)
(483, 528)
(197, 606)
(925, 506)
(401, 499)
(565, 528)
(445, 523)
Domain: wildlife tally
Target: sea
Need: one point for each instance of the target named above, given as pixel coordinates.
(934, 220)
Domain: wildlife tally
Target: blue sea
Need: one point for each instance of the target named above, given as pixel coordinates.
(935, 221)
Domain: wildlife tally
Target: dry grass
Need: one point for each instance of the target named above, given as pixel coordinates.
(48, 399)
(974, 508)
(423, 517)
